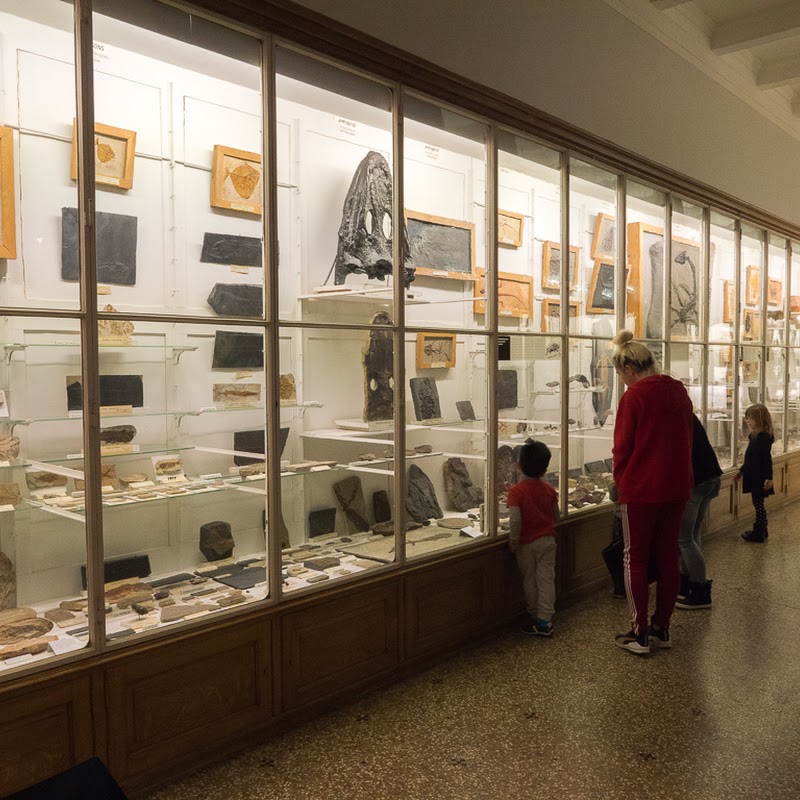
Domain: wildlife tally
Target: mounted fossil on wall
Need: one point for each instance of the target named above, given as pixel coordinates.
(378, 359)
(365, 235)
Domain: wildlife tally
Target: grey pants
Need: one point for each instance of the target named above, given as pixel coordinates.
(537, 563)
(693, 563)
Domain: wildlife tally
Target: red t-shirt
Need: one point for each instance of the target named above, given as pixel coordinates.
(535, 500)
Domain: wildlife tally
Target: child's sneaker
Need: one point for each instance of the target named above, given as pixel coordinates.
(537, 627)
(659, 637)
(633, 643)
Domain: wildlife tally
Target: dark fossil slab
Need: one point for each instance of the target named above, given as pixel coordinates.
(116, 247)
(117, 434)
(507, 388)
(461, 491)
(465, 410)
(237, 299)
(223, 248)
(246, 579)
(421, 503)
(117, 569)
(8, 583)
(321, 521)
(378, 357)
(350, 495)
(235, 350)
(115, 390)
(253, 442)
(506, 469)
(216, 540)
(381, 507)
(426, 399)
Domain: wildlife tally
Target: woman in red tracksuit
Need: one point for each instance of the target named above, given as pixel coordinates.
(653, 474)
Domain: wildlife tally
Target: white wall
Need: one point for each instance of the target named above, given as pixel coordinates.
(585, 63)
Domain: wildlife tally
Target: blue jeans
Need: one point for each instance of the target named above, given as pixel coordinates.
(693, 562)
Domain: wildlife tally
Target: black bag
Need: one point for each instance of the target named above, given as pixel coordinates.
(612, 555)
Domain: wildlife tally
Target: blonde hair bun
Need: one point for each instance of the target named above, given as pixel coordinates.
(623, 337)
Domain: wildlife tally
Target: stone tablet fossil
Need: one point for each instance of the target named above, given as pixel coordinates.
(454, 523)
(365, 235)
(9, 495)
(113, 331)
(465, 410)
(506, 469)
(321, 521)
(24, 629)
(288, 390)
(233, 393)
(44, 480)
(133, 477)
(253, 442)
(237, 299)
(507, 388)
(602, 368)
(115, 390)
(117, 434)
(377, 357)
(461, 492)
(120, 569)
(236, 350)
(426, 399)
(9, 447)
(381, 507)
(216, 540)
(421, 503)
(30, 647)
(223, 248)
(115, 244)
(8, 583)
(172, 465)
(351, 499)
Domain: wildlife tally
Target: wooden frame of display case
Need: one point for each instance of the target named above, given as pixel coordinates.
(8, 214)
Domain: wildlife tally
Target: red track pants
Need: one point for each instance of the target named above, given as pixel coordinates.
(651, 532)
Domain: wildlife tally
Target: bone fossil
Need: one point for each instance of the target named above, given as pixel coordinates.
(685, 295)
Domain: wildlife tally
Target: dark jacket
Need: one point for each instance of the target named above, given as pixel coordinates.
(757, 466)
(704, 460)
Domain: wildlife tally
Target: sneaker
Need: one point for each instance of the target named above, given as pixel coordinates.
(699, 597)
(537, 628)
(659, 637)
(633, 643)
(752, 536)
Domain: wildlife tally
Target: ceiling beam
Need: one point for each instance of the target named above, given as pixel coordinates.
(770, 25)
(781, 72)
(662, 5)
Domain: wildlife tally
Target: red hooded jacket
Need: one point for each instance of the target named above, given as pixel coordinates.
(653, 442)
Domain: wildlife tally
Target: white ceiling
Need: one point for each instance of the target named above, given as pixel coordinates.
(752, 47)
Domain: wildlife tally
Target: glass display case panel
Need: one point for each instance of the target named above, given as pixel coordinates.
(590, 391)
(646, 212)
(335, 173)
(777, 296)
(529, 238)
(793, 400)
(719, 402)
(593, 230)
(774, 395)
(685, 315)
(35, 157)
(750, 383)
(752, 285)
(444, 174)
(686, 364)
(722, 284)
(184, 520)
(337, 457)
(43, 600)
(178, 163)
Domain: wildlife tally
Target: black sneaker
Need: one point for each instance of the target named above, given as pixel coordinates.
(633, 643)
(752, 536)
(659, 637)
(536, 628)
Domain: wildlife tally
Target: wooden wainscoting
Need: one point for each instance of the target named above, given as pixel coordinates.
(44, 731)
(724, 507)
(334, 645)
(173, 703)
(582, 541)
(453, 601)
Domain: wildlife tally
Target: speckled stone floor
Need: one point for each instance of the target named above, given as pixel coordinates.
(572, 717)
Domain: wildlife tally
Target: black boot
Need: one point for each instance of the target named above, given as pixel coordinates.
(699, 596)
(683, 592)
(753, 536)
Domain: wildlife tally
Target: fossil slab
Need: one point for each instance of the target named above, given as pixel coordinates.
(321, 564)
(506, 469)
(45, 480)
(24, 629)
(127, 593)
(175, 612)
(377, 357)
(133, 477)
(602, 368)
(115, 238)
(30, 647)
(117, 434)
(9, 447)
(108, 477)
(454, 523)
(387, 528)
(237, 350)
(216, 540)
(321, 521)
(237, 299)
(231, 600)
(507, 388)
(9, 495)
(113, 331)
(237, 393)
(8, 584)
(115, 390)
(169, 465)
(16, 614)
(461, 492)
(465, 410)
(426, 399)
(288, 389)
(351, 499)
(421, 503)
(253, 442)
(223, 248)
(381, 507)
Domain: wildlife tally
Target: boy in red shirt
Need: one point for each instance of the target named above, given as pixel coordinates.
(533, 509)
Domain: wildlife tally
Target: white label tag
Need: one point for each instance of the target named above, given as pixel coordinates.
(66, 645)
(243, 207)
(141, 484)
(106, 179)
(438, 364)
(103, 289)
(6, 508)
(210, 476)
(242, 270)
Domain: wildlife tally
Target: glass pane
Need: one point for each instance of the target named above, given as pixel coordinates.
(537, 414)
(590, 393)
(335, 170)
(773, 392)
(719, 402)
(750, 369)
(40, 258)
(529, 236)
(337, 463)
(776, 293)
(793, 412)
(687, 278)
(445, 201)
(646, 211)
(593, 234)
(178, 163)
(722, 301)
(686, 364)
(752, 285)
(42, 529)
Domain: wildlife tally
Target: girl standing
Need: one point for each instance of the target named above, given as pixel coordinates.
(756, 472)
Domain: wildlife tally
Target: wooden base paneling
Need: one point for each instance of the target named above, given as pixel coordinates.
(452, 602)
(44, 731)
(722, 510)
(174, 701)
(333, 646)
(582, 542)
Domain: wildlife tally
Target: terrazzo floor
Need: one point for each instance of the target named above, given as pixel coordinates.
(571, 717)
